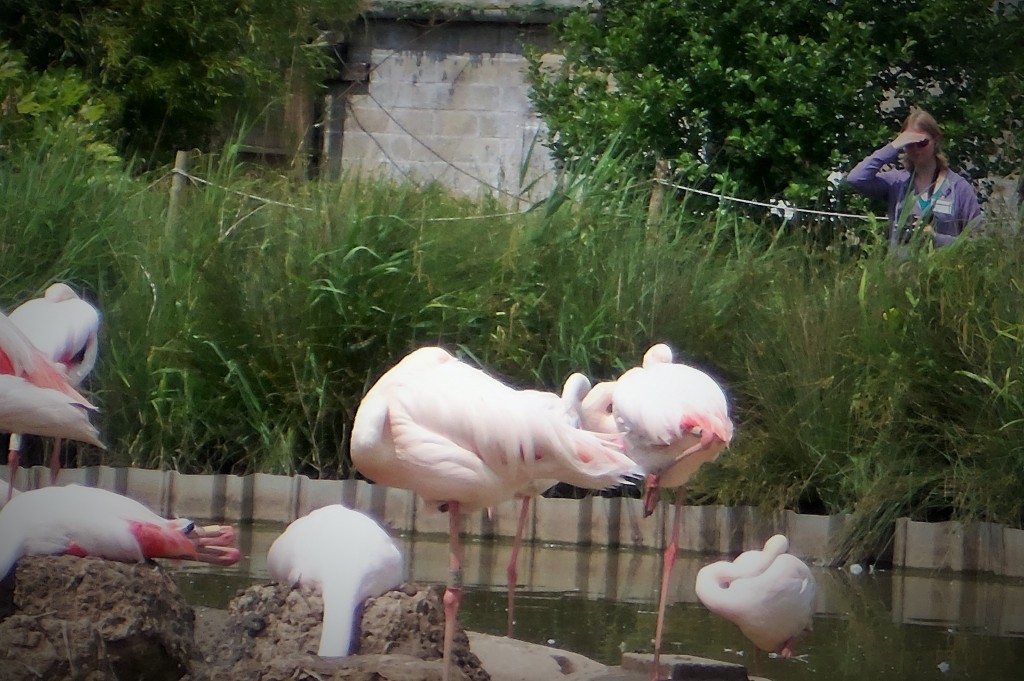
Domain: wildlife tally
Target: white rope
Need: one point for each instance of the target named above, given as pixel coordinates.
(254, 197)
(780, 206)
(200, 180)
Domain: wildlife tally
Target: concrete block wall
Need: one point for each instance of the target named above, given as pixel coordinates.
(446, 102)
(594, 521)
(959, 547)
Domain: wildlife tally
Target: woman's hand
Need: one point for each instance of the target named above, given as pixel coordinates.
(908, 137)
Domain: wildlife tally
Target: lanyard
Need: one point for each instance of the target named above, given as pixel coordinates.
(925, 201)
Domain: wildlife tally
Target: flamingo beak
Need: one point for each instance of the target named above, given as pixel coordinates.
(214, 544)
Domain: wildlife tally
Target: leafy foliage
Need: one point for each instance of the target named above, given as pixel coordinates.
(775, 95)
(166, 71)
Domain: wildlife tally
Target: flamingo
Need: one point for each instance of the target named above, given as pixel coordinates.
(463, 440)
(345, 555)
(769, 594)
(567, 406)
(87, 521)
(35, 398)
(675, 418)
(65, 329)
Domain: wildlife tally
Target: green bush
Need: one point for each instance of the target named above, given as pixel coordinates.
(775, 96)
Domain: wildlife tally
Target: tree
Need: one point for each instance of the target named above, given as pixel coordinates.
(776, 95)
(166, 71)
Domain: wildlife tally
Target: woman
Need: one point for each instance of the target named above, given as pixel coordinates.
(926, 195)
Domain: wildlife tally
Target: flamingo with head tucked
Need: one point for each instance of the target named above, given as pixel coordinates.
(86, 521)
(463, 440)
(347, 557)
(674, 419)
(35, 397)
(769, 594)
(567, 406)
(65, 329)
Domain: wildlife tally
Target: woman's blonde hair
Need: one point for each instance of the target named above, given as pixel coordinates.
(925, 122)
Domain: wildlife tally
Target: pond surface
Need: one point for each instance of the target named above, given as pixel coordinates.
(885, 626)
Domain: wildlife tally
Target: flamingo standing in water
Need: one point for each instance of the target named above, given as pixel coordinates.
(769, 594)
(35, 398)
(463, 440)
(568, 406)
(65, 329)
(674, 418)
(345, 555)
(86, 521)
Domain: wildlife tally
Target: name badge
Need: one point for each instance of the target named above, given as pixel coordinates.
(943, 207)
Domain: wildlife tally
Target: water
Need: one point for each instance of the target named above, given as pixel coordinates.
(885, 626)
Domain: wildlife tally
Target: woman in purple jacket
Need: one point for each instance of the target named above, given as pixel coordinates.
(926, 195)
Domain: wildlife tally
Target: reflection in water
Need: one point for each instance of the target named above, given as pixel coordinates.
(885, 626)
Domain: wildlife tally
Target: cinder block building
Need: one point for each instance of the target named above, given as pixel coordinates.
(432, 92)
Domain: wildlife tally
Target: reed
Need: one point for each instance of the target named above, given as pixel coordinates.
(239, 335)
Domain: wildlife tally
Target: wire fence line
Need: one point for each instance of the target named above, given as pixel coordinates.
(262, 199)
(266, 201)
(779, 206)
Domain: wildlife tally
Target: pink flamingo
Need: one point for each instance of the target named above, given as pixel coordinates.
(674, 418)
(35, 398)
(346, 556)
(769, 594)
(86, 521)
(568, 406)
(463, 440)
(65, 329)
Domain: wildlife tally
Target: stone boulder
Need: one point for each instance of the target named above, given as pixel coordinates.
(274, 631)
(89, 619)
(86, 618)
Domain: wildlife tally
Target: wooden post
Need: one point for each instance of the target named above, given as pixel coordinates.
(657, 191)
(177, 187)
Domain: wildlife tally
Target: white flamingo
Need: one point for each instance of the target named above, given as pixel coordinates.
(35, 397)
(347, 557)
(769, 594)
(65, 329)
(674, 419)
(463, 440)
(87, 521)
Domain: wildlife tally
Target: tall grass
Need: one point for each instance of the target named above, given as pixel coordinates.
(240, 335)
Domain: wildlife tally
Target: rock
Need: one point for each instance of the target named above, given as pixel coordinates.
(508, 659)
(410, 621)
(274, 632)
(89, 618)
(685, 667)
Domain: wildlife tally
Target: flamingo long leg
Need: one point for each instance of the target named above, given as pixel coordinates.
(513, 560)
(13, 455)
(666, 572)
(453, 592)
(55, 461)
